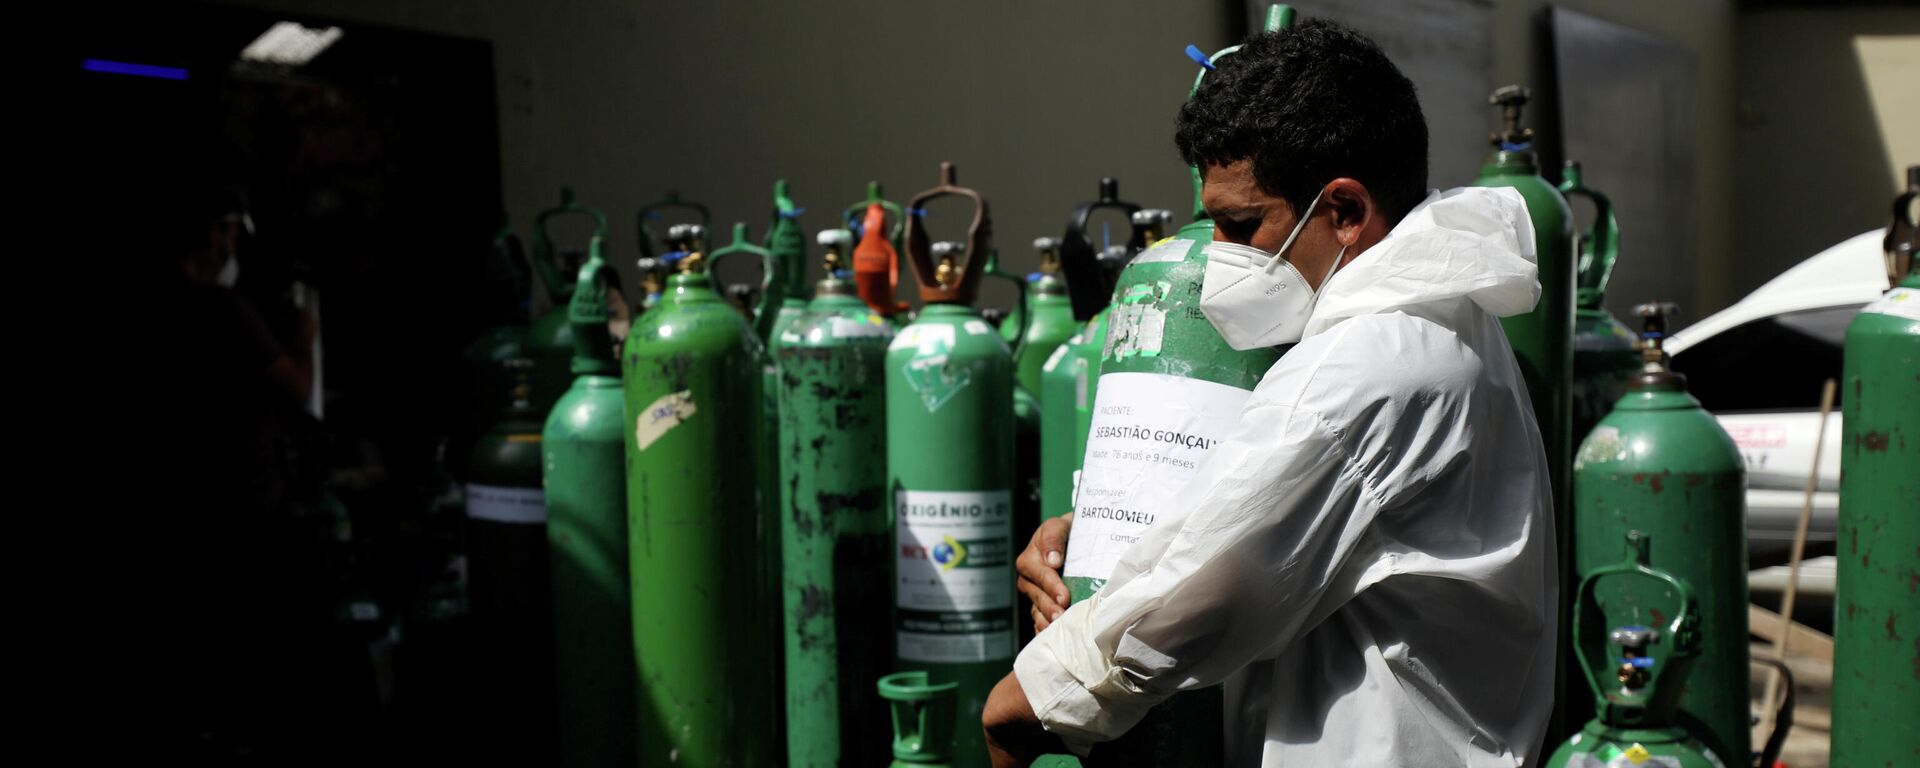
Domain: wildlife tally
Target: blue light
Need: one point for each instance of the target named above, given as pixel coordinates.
(137, 70)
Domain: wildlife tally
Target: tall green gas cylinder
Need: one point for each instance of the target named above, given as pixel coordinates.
(1542, 342)
(584, 464)
(949, 384)
(1169, 388)
(834, 528)
(1660, 464)
(1066, 408)
(1049, 316)
(700, 540)
(505, 280)
(1164, 373)
(550, 340)
(1636, 635)
(1876, 655)
(1604, 356)
(507, 575)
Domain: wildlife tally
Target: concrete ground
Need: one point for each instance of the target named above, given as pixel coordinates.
(1807, 742)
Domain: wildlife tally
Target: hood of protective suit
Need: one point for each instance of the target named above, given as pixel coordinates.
(1473, 243)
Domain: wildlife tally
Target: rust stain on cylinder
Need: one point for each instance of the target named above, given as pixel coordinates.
(1874, 441)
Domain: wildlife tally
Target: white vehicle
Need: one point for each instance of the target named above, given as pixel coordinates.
(1759, 365)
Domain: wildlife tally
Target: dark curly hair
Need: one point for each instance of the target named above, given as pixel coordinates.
(1309, 104)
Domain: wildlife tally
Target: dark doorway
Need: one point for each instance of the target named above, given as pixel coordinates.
(292, 551)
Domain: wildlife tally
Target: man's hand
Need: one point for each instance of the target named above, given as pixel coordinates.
(1014, 734)
(1039, 567)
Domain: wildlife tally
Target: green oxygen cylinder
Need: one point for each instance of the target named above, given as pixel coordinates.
(1066, 404)
(1876, 655)
(650, 220)
(550, 340)
(701, 543)
(1050, 316)
(834, 528)
(1662, 465)
(1170, 387)
(789, 246)
(1069, 379)
(584, 463)
(1542, 343)
(507, 571)
(950, 468)
(1604, 355)
(506, 280)
(760, 306)
(1637, 633)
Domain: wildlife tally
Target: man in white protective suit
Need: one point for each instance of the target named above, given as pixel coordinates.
(1368, 557)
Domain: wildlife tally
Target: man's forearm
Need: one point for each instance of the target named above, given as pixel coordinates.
(1014, 734)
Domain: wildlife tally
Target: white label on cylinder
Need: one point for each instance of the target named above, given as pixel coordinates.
(1150, 431)
(665, 413)
(924, 338)
(848, 328)
(954, 575)
(1900, 302)
(1135, 326)
(1168, 251)
(503, 504)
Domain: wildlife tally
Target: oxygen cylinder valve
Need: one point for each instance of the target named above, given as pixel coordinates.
(944, 253)
(1510, 99)
(1152, 225)
(521, 370)
(1653, 329)
(742, 297)
(687, 238)
(836, 241)
(1049, 250)
(1653, 355)
(1903, 236)
(1635, 663)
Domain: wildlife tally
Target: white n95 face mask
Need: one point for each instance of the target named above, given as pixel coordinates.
(1258, 299)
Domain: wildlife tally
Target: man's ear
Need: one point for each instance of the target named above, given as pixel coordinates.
(1352, 208)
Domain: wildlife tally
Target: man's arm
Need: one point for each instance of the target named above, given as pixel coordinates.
(1276, 510)
(1014, 734)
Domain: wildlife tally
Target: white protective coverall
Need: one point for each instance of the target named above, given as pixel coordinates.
(1369, 555)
